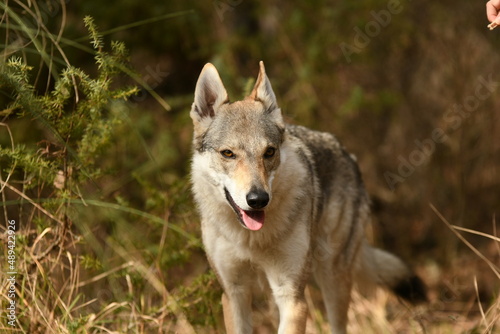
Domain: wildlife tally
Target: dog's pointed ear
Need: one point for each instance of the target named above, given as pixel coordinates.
(262, 91)
(209, 95)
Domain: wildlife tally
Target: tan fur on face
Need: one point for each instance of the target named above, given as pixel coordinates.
(250, 169)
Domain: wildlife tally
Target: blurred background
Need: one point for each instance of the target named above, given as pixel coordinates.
(95, 142)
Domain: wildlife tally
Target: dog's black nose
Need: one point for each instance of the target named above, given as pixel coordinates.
(257, 199)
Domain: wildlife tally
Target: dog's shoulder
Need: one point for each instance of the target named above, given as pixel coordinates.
(332, 162)
(323, 147)
(318, 142)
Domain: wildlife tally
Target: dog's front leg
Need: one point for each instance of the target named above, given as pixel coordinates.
(287, 273)
(237, 308)
(289, 296)
(293, 312)
(236, 278)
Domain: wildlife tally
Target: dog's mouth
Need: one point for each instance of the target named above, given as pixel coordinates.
(252, 219)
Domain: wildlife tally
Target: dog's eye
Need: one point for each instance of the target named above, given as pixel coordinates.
(270, 152)
(227, 154)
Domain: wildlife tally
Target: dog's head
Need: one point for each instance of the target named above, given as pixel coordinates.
(240, 143)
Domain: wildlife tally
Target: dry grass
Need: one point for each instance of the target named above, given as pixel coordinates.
(57, 294)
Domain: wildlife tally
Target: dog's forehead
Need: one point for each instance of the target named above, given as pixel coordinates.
(244, 124)
(242, 114)
(244, 108)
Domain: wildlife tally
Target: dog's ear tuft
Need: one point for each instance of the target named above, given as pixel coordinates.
(209, 94)
(263, 91)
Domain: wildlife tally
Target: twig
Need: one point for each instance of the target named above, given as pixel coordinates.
(479, 300)
(39, 207)
(103, 275)
(486, 235)
(492, 266)
(60, 236)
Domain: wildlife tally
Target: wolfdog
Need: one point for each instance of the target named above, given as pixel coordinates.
(277, 203)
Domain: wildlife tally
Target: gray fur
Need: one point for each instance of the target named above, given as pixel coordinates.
(314, 220)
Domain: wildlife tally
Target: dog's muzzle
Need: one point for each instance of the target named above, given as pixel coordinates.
(250, 219)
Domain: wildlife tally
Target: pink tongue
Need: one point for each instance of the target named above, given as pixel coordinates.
(253, 219)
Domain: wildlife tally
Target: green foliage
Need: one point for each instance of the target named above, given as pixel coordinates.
(80, 113)
(89, 262)
(200, 300)
(49, 175)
